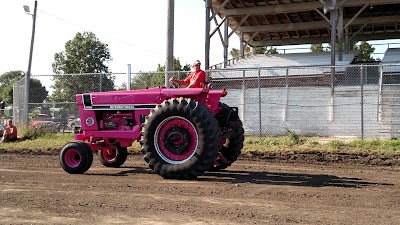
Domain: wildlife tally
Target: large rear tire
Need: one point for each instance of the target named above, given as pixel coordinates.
(113, 157)
(232, 148)
(180, 139)
(76, 157)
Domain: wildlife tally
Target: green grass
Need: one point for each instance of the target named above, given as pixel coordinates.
(292, 143)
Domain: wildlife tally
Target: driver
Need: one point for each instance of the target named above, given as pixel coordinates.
(196, 79)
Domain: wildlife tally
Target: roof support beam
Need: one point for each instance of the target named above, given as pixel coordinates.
(357, 32)
(251, 38)
(355, 16)
(322, 15)
(299, 7)
(317, 24)
(218, 26)
(217, 10)
(239, 24)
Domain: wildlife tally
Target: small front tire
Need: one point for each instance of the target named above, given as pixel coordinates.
(114, 157)
(76, 157)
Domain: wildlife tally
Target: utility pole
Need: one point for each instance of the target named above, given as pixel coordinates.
(28, 74)
(169, 64)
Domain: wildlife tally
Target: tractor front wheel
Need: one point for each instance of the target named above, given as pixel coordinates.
(76, 157)
(113, 157)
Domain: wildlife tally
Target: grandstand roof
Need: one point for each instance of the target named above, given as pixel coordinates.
(285, 22)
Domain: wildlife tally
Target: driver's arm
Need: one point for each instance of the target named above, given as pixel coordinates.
(181, 82)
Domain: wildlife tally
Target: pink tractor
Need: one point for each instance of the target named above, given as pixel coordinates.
(183, 132)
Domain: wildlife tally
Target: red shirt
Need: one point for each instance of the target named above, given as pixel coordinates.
(198, 77)
(12, 130)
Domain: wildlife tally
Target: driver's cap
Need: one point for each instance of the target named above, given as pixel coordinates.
(196, 62)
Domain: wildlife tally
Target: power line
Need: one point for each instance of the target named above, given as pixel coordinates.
(101, 34)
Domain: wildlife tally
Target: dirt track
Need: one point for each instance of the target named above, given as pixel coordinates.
(35, 190)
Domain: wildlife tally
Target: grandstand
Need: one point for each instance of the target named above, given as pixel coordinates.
(274, 64)
(303, 92)
(292, 59)
(392, 55)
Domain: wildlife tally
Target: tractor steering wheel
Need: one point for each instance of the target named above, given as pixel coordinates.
(173, 85)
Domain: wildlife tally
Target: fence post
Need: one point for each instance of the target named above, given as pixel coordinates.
(287, 96)
(243, 98)
(259, 100)
(379, 110)
(362, 100)
(128, 85)
(332, 97)
(101, 81)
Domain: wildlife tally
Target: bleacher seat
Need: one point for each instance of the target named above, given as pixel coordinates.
(272, 64)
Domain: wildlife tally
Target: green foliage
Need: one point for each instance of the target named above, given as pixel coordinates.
(272, 50)
(266, 50)
(235, 53)
(31, 133)
(123, 86)
(317, 48)
(146, 80)
(37, 94)
(7, 93)
(83, 54)
(294, 138)
(6, 84)
(10, 77)
(364, 52)
(261, 50)
(177, 66)
(336, 144)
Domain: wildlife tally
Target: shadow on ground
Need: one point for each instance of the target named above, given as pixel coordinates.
(267, 178)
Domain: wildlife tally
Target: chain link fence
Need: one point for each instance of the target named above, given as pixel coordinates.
(361, 101)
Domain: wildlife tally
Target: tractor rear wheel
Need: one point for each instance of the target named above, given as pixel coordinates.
(113, 157)
(180, 139)
(76, 157)
(232, 148)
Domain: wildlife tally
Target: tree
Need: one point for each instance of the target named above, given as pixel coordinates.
(261, 50)
(6, 81)
(272, 50)
(235, 53)
(83, 54)
(37, 92)
(364, 52)
(177, 66)
(10, 77)
(143, 80)
(123, 86)
(317, 48)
